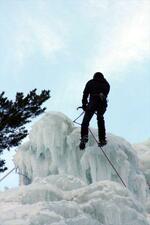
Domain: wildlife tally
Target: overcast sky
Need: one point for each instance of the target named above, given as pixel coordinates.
(59, 45)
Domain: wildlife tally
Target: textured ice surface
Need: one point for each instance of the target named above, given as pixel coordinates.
(72, 187)
(53, 149)
(47, 201)
(143, 151)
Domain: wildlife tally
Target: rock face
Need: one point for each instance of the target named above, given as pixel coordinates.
(67, 186)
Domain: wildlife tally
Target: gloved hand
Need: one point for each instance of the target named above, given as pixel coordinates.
(84, 107)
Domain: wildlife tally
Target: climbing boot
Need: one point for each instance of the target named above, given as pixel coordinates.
(83, 142)
(102, 142)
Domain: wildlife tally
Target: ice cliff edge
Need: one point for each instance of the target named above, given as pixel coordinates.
(53, 149)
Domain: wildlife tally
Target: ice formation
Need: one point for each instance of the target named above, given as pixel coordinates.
(53, 149)
(143, 151)
(67, 186)
(47, 201)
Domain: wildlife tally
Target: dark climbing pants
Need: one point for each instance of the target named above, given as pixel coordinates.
(91, 109)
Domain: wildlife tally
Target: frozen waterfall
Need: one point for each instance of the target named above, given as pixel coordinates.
(53, 149)
(62, 185)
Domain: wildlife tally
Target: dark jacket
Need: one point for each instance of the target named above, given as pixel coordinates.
(93, 88)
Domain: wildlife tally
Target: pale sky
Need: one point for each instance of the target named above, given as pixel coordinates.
(59, 45)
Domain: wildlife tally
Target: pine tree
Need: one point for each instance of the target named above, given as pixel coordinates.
(15, 114)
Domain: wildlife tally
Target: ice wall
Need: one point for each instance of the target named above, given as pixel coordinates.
(66, 200)
(53, 149)
(143, 152)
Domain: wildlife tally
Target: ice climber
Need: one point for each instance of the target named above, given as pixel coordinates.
(94, 100)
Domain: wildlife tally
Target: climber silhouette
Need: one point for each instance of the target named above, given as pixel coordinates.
(94, 100)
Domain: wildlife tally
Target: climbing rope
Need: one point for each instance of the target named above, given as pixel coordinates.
(75, 121)
(15, 168)
(7, 174)
(23, 175)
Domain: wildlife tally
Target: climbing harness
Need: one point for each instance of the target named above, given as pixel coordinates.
(75, 121)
